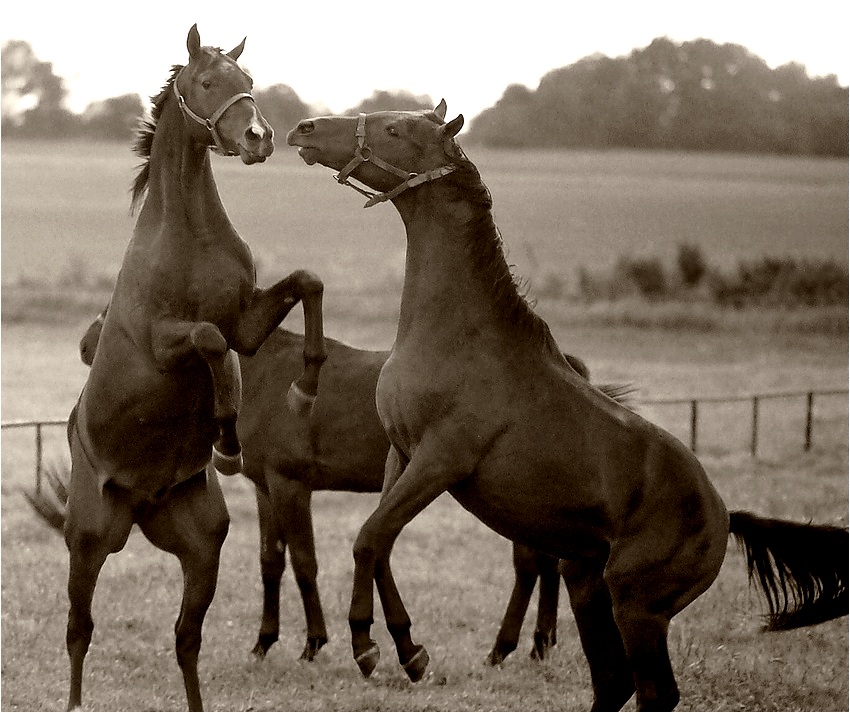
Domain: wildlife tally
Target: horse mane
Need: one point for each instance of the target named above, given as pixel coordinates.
(486, 250)
(144, 139)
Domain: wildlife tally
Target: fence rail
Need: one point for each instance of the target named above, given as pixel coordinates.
(756, 399)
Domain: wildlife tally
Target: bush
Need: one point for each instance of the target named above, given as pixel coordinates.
(692, 265)
(782, 281)
(647, 274)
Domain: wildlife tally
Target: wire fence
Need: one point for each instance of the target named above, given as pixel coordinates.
(809, 399)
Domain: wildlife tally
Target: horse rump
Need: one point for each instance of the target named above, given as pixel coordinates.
(50, 509)
(802, 568)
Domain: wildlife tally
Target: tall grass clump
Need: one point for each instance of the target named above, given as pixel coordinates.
(767, 281)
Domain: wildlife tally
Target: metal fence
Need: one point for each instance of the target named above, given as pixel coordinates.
(755, 399)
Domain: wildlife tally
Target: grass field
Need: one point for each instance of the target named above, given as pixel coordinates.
(65, 210)
(454, 573)
(65, 219)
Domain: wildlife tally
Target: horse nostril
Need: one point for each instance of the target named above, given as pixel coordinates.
(306, 127)
(254, 134)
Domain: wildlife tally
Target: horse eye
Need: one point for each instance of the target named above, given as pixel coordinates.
(391, 130)
(206, 84)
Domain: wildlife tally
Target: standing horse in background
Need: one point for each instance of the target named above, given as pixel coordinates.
(164, 388)
(341, 446)
(477, 400)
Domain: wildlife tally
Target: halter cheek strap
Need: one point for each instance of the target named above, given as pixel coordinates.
(363, 154)
(210, 124)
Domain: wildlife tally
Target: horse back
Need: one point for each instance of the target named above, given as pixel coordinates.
(341, 445)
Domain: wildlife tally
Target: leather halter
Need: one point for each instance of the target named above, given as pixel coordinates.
(210, 123)
(363, 154)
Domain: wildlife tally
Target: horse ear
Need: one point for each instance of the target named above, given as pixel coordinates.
(451, 129)
(236, 51)
(440, 109)
(193, 41)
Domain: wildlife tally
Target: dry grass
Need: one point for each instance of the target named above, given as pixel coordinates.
(454, 573)
(564, 209)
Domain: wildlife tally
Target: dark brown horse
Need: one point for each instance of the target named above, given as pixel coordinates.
(164, 388)
(477, 400)
(341, 447)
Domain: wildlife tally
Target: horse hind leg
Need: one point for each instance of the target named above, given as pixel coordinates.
(192, 524)
(525, 578)
(546, 631)
(96, 527)
(610, 670)
(272, 566)
(291, 500)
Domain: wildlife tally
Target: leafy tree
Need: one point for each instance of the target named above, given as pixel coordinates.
(29, 81)
(114, 119)
(382, 100)
(696, 95)
(281, 107)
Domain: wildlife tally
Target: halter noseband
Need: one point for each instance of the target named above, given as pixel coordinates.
(363, 154)
(210, 123)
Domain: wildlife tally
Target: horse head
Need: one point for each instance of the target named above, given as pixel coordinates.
(214, 95)
(388, 151)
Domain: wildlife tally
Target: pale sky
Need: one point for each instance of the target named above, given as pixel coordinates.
(335, 53)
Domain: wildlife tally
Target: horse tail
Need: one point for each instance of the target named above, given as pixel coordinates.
(50, 509)
(802, 568)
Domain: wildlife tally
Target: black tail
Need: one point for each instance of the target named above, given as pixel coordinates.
(51, 510)
(802, 568)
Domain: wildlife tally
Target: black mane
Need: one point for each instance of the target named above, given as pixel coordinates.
(486, 252)
(144, 138)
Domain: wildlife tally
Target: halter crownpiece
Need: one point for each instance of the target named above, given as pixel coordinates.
(210, 123)
(363, 154)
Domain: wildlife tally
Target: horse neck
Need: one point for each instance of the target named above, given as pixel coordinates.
(456, 276)
(181, 184)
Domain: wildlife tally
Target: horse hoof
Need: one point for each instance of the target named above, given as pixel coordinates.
(494, 658)
(299, 402)
(542, 643)
(418, 664)
(227, 465)
(368, 660)
(314, 643)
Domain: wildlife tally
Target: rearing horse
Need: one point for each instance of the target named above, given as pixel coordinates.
(164, 386)
(477, 400)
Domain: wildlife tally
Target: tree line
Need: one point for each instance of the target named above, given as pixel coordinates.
(694, 96)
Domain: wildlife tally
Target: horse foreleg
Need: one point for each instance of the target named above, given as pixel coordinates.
(267, 310)
(525, 577)
(546, 632)
(432, 471)
(172, 342)
(192, 524)
(291, 500)
(272, 566)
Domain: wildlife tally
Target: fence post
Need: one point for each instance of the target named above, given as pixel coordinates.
(38, 452)
(810, 402)
(694, 425)
(754, 438)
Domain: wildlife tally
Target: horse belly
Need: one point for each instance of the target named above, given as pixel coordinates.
(531, 506)
(148, 432)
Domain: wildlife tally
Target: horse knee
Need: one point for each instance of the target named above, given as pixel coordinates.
(208, 340)
(309, 282)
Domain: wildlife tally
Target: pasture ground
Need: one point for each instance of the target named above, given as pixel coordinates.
(65, 222)
(454, 573)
